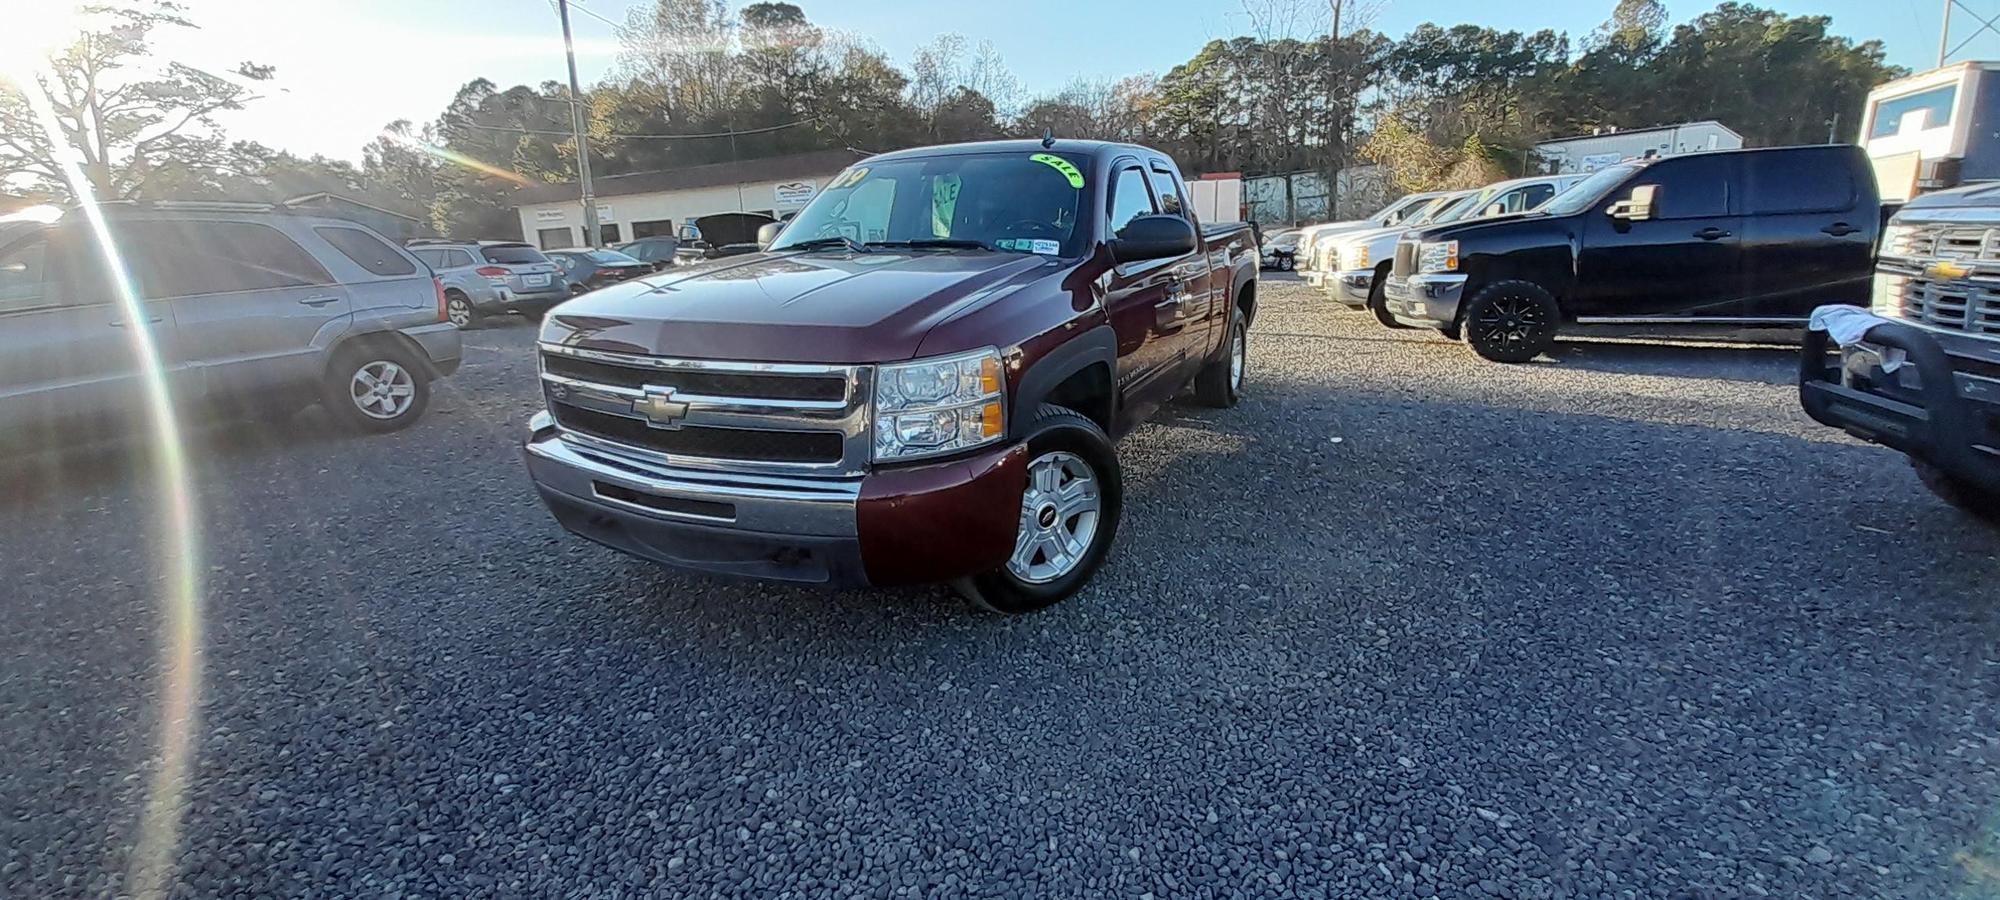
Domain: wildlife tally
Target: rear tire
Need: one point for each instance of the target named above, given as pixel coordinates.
(1968, 498)
(1220, 383)
(458, 311)
(1510, 321)
(1078, 477)
(376, 388)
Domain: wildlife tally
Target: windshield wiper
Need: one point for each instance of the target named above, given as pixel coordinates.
(929, 243)
(820, 243)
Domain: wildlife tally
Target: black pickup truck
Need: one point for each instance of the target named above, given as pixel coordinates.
(1740, 239)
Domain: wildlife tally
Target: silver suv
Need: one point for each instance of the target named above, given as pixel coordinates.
(250, 308)
(483, 278)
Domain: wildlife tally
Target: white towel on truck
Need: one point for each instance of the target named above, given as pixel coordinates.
(1848, 326)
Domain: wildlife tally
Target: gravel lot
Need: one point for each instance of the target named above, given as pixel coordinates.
(1402, 624)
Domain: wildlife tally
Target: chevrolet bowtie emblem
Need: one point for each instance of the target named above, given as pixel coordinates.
(1946, 269)
(660, 408)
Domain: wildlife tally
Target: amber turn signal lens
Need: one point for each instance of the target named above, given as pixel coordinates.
(990, 419)
(989, 376)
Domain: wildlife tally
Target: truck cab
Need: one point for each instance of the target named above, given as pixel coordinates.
(1742, 239)
(1919, 370)
(917, 380)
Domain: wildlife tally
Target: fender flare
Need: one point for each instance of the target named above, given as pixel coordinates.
(1098, 345)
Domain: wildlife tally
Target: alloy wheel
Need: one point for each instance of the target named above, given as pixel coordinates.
(458, 311)
(1510, 322)
(1059, 518)
(382, 389)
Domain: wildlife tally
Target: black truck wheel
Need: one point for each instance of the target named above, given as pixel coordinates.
(1969, 498)
(1378, 303)
(1510, 321)
(1069, 516)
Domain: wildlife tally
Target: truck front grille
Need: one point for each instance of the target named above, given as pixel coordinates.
(780, 418)
(1910, 286)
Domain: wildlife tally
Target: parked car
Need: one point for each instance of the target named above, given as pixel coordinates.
(1397, 212)
(657, 250)
(1279, 250)
(718, 235)
(1920, 371)
(1358, 262)
(486, 278)
(588, 270)
(250, 308)
(1744, 239)
(919, 381)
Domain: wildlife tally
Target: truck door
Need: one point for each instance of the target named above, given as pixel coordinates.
(1200, 289)
(1142, 300)
(1683, 261)
(1807, 238)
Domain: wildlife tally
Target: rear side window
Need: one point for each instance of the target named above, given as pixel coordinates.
(432, 258)
(1796, 183)
(179, 259)
(512, 254)
(1691, 187)
(1129, 198)
(367, 251)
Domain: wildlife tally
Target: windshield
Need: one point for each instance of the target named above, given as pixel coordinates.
(512, 254)
(1396, 212)
(1582, 194)
(611, 257)
(1001, 201)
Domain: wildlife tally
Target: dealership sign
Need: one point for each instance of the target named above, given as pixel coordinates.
(550, 217)
(793, 194)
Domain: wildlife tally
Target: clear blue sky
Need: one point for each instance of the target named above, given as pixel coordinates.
(346, 67)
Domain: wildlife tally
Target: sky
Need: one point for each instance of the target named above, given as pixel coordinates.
(347, 67)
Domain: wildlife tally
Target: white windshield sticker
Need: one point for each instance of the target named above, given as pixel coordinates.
(1045, 248)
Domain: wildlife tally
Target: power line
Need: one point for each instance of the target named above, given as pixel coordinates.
(646, 137)
(586, 11)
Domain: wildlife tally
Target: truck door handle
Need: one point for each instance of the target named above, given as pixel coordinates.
(318, 301)
(1840, 229)
(121, 323)
(1711, 233)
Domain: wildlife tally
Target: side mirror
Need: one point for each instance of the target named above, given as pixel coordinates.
(1152, 237)
(768, 234)
(1637, 206)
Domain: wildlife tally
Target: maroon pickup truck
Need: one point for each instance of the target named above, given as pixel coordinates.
(917, 380)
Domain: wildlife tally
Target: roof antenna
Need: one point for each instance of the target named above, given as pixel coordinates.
(1048, 137)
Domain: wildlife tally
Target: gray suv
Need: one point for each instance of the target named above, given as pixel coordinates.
(483, 278)
(250, 309)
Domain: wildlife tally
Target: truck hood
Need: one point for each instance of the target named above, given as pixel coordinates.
(809, 307)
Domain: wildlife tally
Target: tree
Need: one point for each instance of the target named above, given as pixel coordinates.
(129, 119)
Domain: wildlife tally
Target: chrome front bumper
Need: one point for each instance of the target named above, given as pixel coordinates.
(1351, 287)
(784, 528)
(1425, 301)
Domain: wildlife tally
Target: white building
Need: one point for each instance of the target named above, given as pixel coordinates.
(1590, 152)
(643, 204)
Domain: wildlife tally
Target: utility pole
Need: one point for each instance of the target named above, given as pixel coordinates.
(1944, 33)
(593, 235)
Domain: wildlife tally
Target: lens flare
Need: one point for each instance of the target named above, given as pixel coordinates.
(151, 868)
(456, 158)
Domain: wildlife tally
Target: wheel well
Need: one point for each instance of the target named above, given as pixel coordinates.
(1088, 391)
(1246, 299)
(449, 291)
(394, 339)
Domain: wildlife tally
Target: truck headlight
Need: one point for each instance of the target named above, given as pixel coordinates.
(1437, 257)
(1354, 257)
(940, 405)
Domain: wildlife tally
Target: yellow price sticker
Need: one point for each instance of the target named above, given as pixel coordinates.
(1061, 165)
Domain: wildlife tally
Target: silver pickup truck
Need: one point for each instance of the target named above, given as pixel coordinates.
(250, 309)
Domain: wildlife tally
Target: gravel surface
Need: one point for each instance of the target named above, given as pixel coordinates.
(1402, 624)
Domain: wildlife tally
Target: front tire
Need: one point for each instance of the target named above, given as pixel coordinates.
(1970, 499)
(376, 388)
(1069, 516)
(1510, 321)
(1220, 383)
(1378, 303)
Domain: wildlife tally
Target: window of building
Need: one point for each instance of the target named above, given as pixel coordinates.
(367, 251)
(1130, 198)
(554, 238)
(1936, 104)
(607, 233)
(652, 227)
